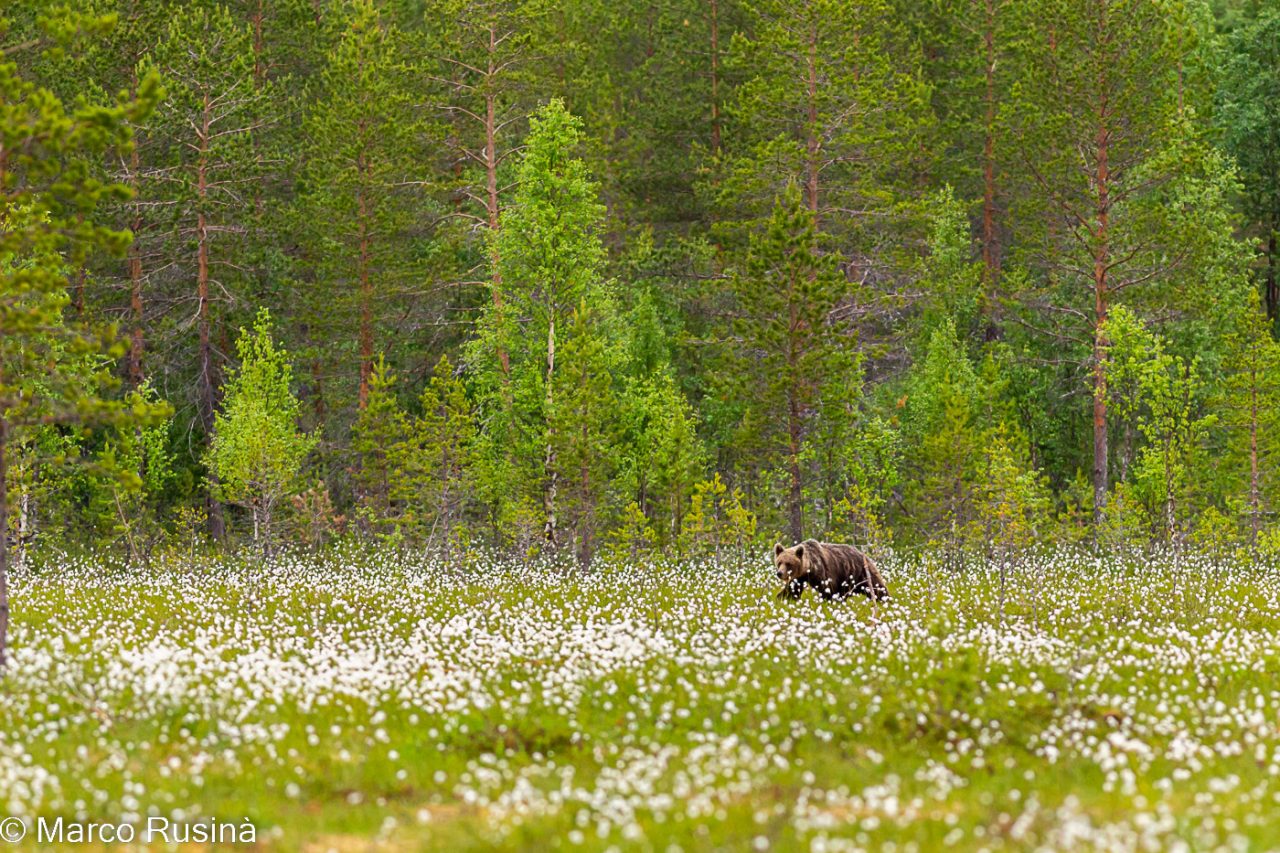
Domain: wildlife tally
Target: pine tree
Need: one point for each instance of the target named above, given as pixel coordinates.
(356, 209)
(444, 447)
(1250, 404)
(202, 142)
(378, 439)
(650, 83)
(483, 72)
(119, 61)
(135, 468)
(830, 103)
(1132, 200)
(48, 201)
(1012, 502)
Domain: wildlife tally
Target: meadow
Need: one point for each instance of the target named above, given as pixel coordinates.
(386, 702)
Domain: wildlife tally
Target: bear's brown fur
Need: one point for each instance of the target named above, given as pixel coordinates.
(835, 571)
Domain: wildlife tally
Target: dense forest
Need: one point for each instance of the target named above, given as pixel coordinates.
(646, 275)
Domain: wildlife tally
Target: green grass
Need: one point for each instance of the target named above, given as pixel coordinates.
(384, 703)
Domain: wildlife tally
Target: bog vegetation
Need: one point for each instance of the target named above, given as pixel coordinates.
(406, 704)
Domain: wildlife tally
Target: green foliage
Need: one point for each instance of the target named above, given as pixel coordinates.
(865, 265)
(542, 345)
(434, 477)
(1165, 397)
(718, 523)
(135, 471)
(633, 538)
(51, 360)
(662, 457)
(1248, 111)
(1013, 499)
(379, 438)
(257, 449)
(786, 353)
(828, 101)
(951, 278)
(203, 163)
(1248, 403)
(360, 210)
(943, 432)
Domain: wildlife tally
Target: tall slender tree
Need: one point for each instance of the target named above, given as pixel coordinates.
(1104, 133)
(484, 59)
(786, 345)
(48, 199)
(830, 101)
(206, 168)
(1250, 403)
(356, 213)
(550, 262)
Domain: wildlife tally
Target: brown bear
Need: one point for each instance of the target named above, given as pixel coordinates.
(835, 571)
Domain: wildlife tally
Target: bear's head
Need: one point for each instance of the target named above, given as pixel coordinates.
(789, 562)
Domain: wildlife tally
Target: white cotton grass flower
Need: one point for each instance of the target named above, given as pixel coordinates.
(629, 706)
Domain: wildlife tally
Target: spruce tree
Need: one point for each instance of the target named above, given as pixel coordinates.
(786, 345)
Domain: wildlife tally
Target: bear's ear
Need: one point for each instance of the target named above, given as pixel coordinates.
(800, 552)
(778, 549)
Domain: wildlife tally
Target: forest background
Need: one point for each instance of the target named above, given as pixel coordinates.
(618, 278)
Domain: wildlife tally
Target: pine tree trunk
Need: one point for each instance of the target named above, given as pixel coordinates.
(1099, 412)
(134, 366)
(813, 144)
(492, 210)
(259, 80)
(365, 279)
